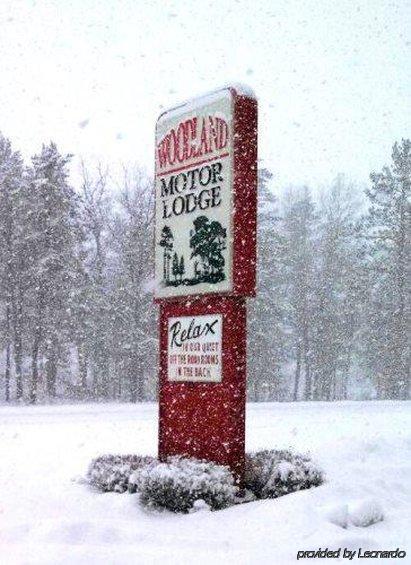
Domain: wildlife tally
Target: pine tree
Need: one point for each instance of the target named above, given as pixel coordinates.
(266, 335)
(12, 184)
(52, 245)
(166, 242)
(134, 342)
(298, 228)
(181, 268)
(175, 267)
(93, 338)
(338, 292)
(388, 225)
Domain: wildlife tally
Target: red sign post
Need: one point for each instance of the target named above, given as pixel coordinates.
(206, 200)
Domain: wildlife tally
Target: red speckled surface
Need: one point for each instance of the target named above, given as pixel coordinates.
(206, 420)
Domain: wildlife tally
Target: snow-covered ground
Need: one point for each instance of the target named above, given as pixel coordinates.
(49, 517)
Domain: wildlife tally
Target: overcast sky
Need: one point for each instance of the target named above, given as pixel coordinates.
(332, 77)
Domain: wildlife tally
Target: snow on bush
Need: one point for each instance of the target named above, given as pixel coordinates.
(187, 484)
(337, 515)
(117, 473)
(365, 513)
(180, 483)
(273, 473)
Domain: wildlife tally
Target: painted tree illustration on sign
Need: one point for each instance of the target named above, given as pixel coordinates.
(218, 236)
(175, 267)
(167, 242)
(207, 241)
(178, 268)
(181, 268)
(198, 242)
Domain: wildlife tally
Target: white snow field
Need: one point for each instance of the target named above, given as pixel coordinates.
(49, 517)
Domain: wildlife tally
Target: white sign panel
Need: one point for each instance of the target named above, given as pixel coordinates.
(194, 348)
(194, 176)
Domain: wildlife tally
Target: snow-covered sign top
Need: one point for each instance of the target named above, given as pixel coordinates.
(197, 162)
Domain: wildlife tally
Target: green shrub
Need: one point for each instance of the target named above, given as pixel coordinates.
(112, 473)
(179, 483)
(183, 484)
(273, 473)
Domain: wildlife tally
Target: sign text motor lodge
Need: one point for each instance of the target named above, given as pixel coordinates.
(191, 191)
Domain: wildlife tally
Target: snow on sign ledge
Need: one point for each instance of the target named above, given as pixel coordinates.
(205, 157)
(193, 104)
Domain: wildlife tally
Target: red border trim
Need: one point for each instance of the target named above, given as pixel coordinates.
(188, 167)
(245, 196)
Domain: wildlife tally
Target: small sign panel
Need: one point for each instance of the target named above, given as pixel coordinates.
(194, 348)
